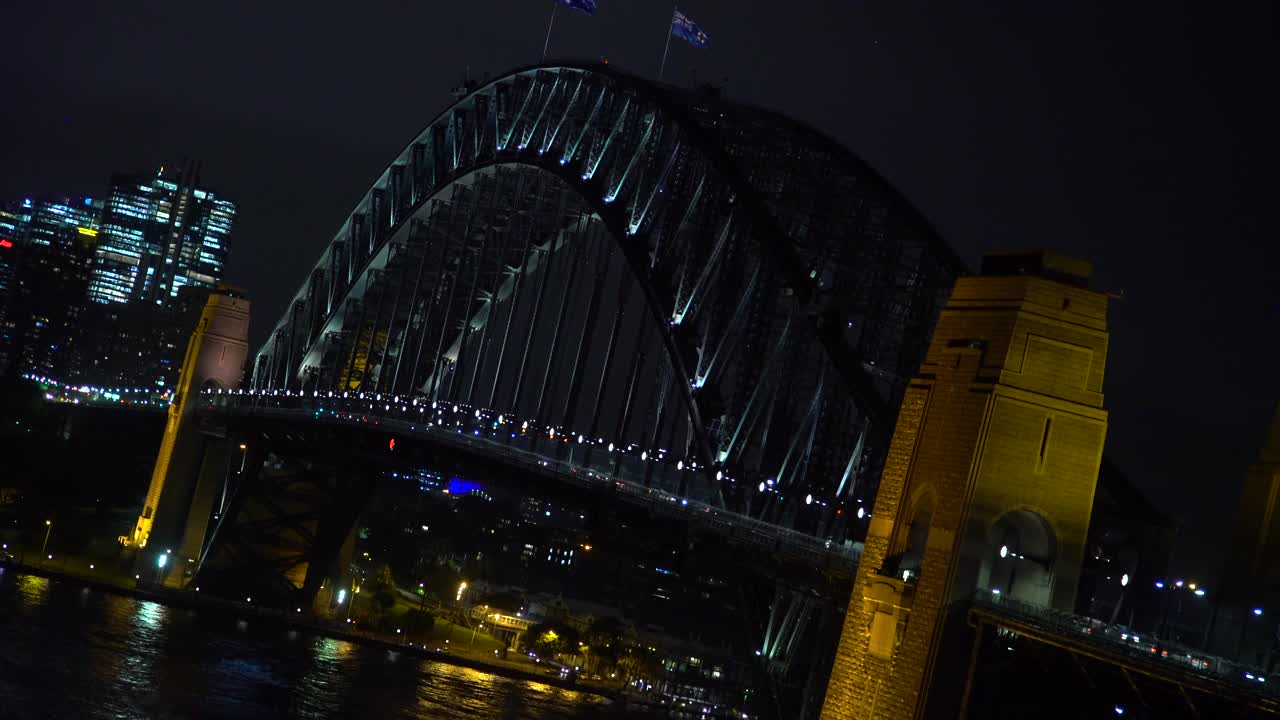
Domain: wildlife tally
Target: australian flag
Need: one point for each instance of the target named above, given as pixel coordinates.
(587, 7)
(688, 30)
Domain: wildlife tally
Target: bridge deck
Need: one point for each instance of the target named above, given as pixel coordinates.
(1188, 668)
(475, 432)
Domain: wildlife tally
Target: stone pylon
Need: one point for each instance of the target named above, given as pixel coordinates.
(988, 484)
(214, 358)
(1246, 624)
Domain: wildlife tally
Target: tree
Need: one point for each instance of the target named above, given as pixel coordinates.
(551, 639)
(384, 599)
(640, 663)
(418, 623)
(605, 644)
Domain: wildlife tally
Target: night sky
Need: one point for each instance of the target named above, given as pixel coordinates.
(1142, 138)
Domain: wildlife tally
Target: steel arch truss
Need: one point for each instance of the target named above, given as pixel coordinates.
(728, 301)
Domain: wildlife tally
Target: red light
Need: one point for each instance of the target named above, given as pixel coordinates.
(391, 445)
(6, 243)
(840, 511)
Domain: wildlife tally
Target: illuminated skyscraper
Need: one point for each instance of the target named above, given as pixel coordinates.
(52, 243)
(159, 234)
(61, 224)
(12, 219)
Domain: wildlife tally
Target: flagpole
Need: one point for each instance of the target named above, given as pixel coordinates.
(667, 47)
(550, 22)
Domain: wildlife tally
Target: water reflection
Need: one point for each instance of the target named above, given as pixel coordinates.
(34, 589)
(68, 653)
(151, 614)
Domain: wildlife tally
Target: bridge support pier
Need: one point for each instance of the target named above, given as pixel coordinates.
(289, 529)
(192, 512)
(329, 580)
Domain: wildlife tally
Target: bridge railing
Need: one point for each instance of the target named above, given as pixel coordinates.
(473, 428)
(1161, 656)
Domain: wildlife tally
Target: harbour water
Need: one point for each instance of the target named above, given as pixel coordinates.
(67, 651)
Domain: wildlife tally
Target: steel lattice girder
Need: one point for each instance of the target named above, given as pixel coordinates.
(790, 291)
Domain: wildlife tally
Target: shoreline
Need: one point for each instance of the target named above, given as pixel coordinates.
(208, 604)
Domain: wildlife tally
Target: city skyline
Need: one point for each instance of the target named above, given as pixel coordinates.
(104, 292)
(1065, 149)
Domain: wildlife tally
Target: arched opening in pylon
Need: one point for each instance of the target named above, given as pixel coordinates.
(917, 537)
(1018, 560)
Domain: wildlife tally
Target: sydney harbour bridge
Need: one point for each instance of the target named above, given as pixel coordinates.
(706, 310)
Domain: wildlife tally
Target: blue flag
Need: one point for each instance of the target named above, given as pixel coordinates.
(688, 30)
(587, 7)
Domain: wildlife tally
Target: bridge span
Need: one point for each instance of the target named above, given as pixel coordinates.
(653, 482)
(1089, 662)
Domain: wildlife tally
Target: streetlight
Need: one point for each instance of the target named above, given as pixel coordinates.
(1178, 585)
(1244, 630)
(161, 561)
(342, 595)
(48, 528)
(1007, 553)
(462, 587)
(1115, 612)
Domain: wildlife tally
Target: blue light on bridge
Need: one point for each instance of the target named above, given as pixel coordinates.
(458, 486)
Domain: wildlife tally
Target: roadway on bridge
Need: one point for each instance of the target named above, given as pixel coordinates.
(486, 432)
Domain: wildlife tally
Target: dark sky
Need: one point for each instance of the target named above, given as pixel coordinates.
(1139, 135)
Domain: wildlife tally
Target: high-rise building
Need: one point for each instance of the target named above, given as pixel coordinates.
(137, 344)
(62, 223)
(159, 234)
(12, 222)
(53, 241)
